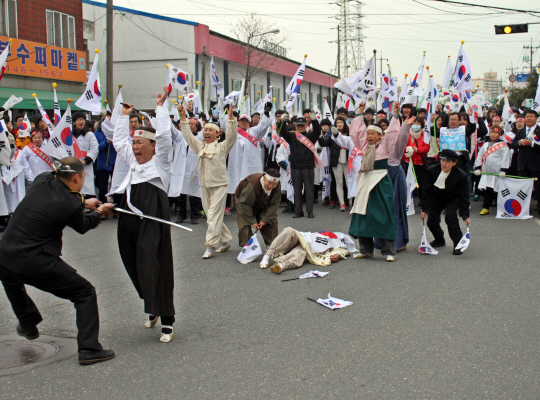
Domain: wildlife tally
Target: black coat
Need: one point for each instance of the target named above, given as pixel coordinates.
(335, 149)
(301, 155)
(528, 156)
(454, 194)
(32, 242)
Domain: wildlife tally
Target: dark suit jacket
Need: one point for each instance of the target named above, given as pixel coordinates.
(455, 192)
(32, 242)
(528, 156)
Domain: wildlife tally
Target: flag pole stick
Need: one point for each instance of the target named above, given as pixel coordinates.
(507, 176)
(286, 280)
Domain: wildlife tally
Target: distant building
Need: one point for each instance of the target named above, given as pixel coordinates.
(47, 46)
(489, 85)
(145, 42)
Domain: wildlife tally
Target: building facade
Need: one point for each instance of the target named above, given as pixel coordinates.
(144, 43)
(47, 46)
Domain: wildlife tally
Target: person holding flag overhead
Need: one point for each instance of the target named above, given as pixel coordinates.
(145, 245)
(446, 189)
(89, 148)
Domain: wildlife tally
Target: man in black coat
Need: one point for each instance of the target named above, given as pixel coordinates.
(31, 247)
(303, 163)
(527, 142)
(446, 189)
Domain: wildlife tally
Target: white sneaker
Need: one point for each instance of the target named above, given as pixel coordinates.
(209, 253)
(223, 248)
(166, 338)
(150, 323)
(360, 255)
(390, 258)
(265, 263)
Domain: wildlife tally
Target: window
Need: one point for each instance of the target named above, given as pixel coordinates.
(60, 30)
(236, 85)
(8, 18)
(303, 103)
(279, 101)
(256, 95)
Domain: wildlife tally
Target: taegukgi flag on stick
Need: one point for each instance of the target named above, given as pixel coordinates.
(465, 241)
(411, 185)
(3, 59)
(60, 143)
(294, 86)
(5, 150)
(334, 303)
(217, 87)
(425, 247)
(91, 98)
(179, 78)
(43, 113)
(25, 128)
(462, 79)
(250, 251)
(514, 198)
(57, 113)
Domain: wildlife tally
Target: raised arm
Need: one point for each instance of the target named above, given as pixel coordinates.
(358, 130)
(259, 130)
(163, 135)
(121, 134)
(231, 131)
(193, 142)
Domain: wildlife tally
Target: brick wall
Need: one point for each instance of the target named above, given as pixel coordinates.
(32, 19)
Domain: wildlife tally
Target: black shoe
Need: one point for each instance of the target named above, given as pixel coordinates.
(87, 357)
(30, 334)
(457, 252)
(301, 215)
(180, 219)
(310, 215)
(437, 243)
(194, 221)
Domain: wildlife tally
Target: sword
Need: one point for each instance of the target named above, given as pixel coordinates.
(163, 221)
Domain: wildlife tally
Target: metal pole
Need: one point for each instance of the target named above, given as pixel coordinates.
(110, 59)
(203, 76)
(375, 65)
(338, 54)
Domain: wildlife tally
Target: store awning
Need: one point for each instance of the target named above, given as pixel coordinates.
(46, 99)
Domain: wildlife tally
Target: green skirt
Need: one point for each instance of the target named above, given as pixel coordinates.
(380, 219)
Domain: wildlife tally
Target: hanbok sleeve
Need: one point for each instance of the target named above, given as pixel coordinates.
(358, 132)
(120, 140)
(193, 142)
(231, 134)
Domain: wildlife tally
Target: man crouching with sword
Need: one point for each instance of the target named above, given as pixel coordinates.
(145, 243)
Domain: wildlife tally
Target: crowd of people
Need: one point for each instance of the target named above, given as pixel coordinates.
(152, 164)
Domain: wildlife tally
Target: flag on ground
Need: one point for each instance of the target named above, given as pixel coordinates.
(514, 199)
(250, 251)
(425, 247)
(91, 98)
(313, 274)
(334, 303)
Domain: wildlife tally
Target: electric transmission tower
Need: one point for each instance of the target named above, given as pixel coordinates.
(350, 37)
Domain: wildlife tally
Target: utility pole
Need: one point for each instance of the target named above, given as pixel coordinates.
(338, 54)
(381, 60)
(203, 76)
(511, 69)
(110, 59)
(531, 48)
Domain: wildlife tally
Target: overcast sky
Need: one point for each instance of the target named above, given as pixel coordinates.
(399, 29)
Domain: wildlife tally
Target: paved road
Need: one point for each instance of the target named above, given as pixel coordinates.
(446, 327)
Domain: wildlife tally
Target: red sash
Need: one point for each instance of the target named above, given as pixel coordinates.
(252, 139)
(38, 152)
(355, 152)
(306, 142)
(278, 139)
(492, 150)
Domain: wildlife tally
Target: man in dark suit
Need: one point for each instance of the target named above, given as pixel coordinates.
(527, 142)
(446, 188)
(31, 247)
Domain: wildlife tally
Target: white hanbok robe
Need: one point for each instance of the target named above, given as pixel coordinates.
(245, 158)
(184, 162)
(493, 164)
(13, 181)
(192, 158)
(346, 142)
(89, 143)
(37, 165)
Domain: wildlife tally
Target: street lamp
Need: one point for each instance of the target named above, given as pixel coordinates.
(276, 31)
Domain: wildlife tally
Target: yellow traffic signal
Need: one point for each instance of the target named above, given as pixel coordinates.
(507, 29)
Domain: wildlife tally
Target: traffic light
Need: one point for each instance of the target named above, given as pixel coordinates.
(507, 29)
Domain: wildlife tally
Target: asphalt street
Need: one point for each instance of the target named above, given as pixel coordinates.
(440, 327)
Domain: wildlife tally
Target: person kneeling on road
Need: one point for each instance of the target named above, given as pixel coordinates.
(291, 248)
(257, 201)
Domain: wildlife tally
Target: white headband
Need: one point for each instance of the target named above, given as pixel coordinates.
(271, 178)
(375, 128)
(144, 134)
(212, 125)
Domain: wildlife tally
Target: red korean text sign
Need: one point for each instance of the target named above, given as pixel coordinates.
(39, 60)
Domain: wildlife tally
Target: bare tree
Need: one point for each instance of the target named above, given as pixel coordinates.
(260, 51)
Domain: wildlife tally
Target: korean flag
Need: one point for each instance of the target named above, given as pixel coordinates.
(250, 251)
(425, 247)
(464, 242)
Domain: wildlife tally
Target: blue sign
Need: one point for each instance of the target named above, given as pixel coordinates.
(523, 77)
(453, 138)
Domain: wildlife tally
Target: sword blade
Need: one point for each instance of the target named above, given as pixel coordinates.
(163, 221)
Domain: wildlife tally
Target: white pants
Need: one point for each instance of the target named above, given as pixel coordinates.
(213, 202)
(340, 171)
